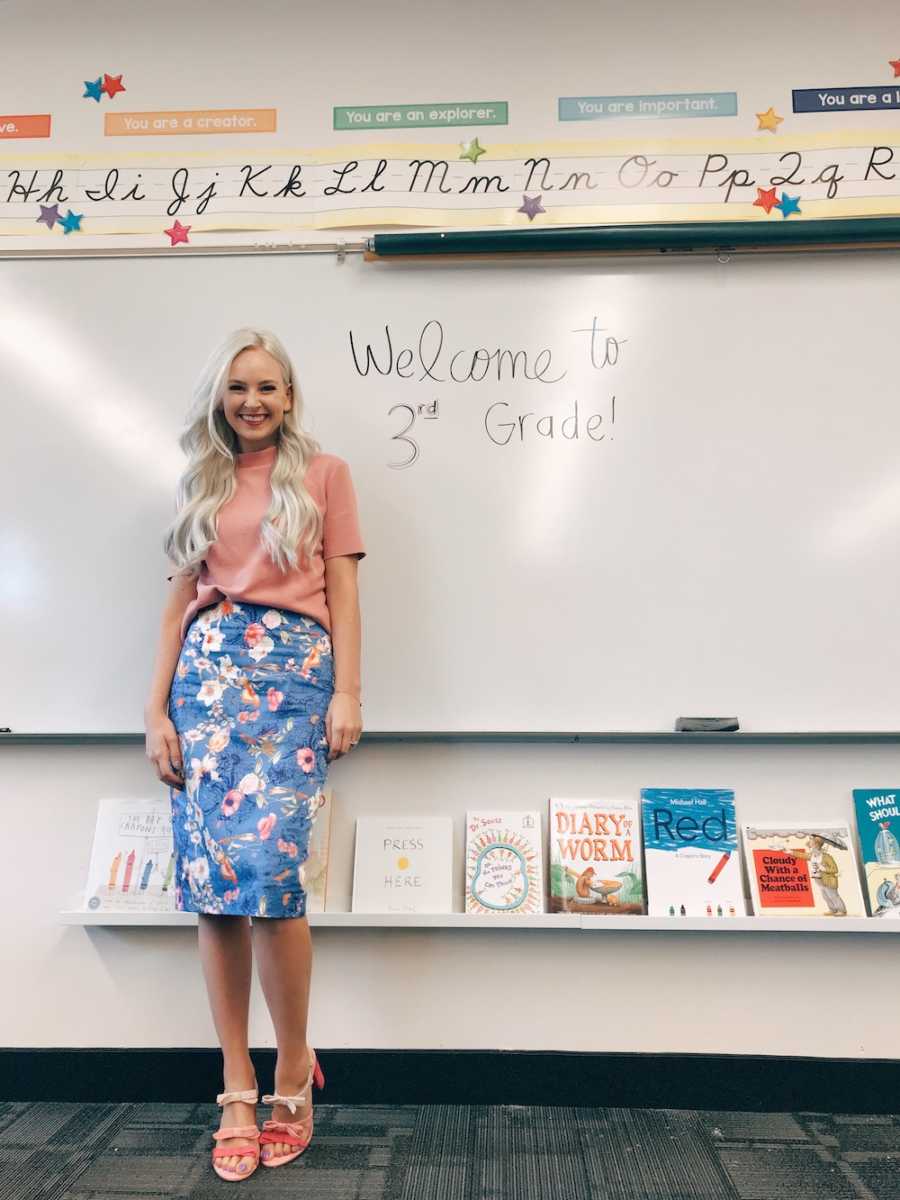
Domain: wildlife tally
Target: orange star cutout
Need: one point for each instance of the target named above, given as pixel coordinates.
(766, 199)
(112, 84)
(895, 63)
(769, 120)
(178, 233)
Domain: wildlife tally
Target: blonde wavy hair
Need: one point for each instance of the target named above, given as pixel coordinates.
(293, 521)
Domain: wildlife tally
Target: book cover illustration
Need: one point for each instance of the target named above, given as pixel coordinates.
(878, 826)
(504, 863)
(403, 865)
(798, 871)
(314, 871)
(691, 853)
(595, 857)
(132, 863)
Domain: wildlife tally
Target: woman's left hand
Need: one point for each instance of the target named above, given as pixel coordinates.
(343, 724)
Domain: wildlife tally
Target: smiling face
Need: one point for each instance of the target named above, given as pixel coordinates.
(256, 399)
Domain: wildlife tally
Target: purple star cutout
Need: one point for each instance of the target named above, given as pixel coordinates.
(49, 215)
(531, 206)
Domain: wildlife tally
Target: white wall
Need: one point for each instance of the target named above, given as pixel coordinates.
(753, 993)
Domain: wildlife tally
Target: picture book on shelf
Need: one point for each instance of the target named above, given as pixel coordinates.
(314, 872)
(595, 857)
(691, 853)
(803, 871)
(504, 863)
(878, 826)
(403, 865)
(132, 865)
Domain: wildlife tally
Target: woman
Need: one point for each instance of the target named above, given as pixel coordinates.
(256, 688)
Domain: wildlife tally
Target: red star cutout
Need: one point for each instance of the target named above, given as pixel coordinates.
(895, 63)
(112, 84)
(178, 233)
(765, 199)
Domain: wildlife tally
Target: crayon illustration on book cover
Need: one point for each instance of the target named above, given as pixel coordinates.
(691, 853)
(504, 863)
(595, 857)
(803, 871)
(132, 860)
(878, 826)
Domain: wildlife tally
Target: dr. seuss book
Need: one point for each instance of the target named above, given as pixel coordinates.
(595, 857)
(314, 872)
(403, 865)
(691, 853)
(802, 871)
(132, 861)
(504, 863)
(878, 825)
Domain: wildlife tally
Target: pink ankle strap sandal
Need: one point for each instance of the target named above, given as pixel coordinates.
(291, 1133)
(247, 1148)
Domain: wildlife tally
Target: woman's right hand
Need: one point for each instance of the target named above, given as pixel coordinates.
(164, 749)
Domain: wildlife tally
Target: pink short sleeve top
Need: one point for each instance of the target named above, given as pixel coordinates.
(238, 567)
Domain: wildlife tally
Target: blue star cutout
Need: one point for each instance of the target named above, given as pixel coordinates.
(93, 90)
(49, 215)
(788, 204)
(531, 206)
(71, 221)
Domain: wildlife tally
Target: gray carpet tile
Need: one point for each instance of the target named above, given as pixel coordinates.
(654, 1154)
(524, 1152)
(456, 1152)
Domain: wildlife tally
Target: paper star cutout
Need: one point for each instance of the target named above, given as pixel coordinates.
(788, 204)
(472, 150)
(178, 233)
(71, 221)
(766, 198)
(769, 120)
(531, 206)
(92, 90)
(113, 84)
(895, 63)
(49, 215)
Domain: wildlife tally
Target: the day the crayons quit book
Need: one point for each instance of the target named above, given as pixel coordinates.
(878, 825)
(314, 872)
(595, 857)
(802, 871)
(504, 863)
(691, 853)
(132, 865)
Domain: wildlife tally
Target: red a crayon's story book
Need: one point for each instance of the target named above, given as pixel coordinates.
(691, 852)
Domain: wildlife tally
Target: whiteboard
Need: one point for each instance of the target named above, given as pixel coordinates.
(721, 541)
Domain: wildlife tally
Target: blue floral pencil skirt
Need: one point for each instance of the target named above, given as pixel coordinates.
(249, 699)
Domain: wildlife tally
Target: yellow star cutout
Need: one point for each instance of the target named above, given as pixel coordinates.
(769, 120)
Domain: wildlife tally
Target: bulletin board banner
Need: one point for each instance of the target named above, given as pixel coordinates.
(138, 197)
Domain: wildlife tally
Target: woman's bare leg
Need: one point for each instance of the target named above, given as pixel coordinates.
(226, 952)
(283, 948)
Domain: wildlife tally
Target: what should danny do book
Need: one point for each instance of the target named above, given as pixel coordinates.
(878, 826)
